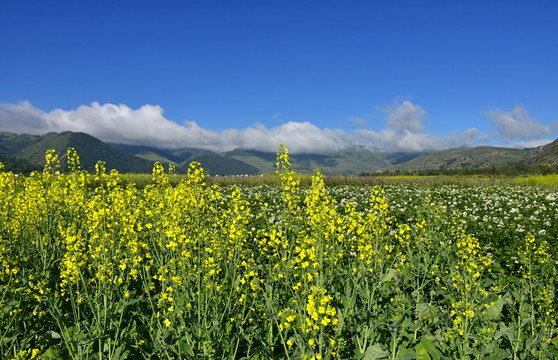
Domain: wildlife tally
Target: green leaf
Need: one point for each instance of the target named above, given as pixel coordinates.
(55, 335)
(375, 352)
(54, 352)
(433, 352)
(185, 348)
(423, 309)
(505, 330)
(527, 321)
(121, 353)
(422, 353)
(8, 340)
(341, 319)
(495, 310)
(407, 323)
(389, 276)
(498, 354)
(407, 354)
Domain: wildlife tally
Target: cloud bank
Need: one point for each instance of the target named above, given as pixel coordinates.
(517, 124)
(148, 126)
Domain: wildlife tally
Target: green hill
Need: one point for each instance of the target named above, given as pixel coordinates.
(264, 162)
(155, 154)
(14, 143)
(477, 157)
(352, 161)
(547, 156)
(214, 164)
(4, 150)
(89, 149)
(17, 165)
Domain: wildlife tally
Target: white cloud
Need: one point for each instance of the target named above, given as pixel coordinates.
(407, 141)
(405, 132)
(516, 124)
(298, 137)
(23, 118)
(404, 117)
(148, 126)
(531, 144)
(357, 121)
(110, 123)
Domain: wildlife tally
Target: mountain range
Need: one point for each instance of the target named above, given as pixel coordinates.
(26, 153)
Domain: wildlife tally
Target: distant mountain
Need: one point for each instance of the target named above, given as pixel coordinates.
(151, 153)
(215, 164)
(477, 157)
(263, 161)
(89, 149)
(30, 150)
(212, 163)
(15, 142)
(401, 157)
(352, 161)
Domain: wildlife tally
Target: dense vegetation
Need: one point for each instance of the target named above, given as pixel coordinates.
(92, 267)
(18, 166)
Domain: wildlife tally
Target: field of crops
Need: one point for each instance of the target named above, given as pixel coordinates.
(92, 267)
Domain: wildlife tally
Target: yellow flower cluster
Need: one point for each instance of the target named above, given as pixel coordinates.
(319, 312)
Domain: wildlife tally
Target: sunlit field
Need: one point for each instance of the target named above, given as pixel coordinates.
(94, 267)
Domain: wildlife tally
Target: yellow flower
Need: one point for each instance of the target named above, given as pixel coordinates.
(35, 353)
(167, 322)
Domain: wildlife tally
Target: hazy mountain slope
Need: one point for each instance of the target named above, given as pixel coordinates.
(4, 150)
(155, 154)
(352, 161)
(356, 160)
(214, 164)
(395, 158)
(482, 156)
(264, 162)
(16, 142)
(17, 165)
(547, 156)
(89, 149)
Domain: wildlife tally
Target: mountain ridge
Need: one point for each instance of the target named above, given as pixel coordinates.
(476, 157)
(351, 161)
(89, 149)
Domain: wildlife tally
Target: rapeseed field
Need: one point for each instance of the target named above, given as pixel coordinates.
(92, 267)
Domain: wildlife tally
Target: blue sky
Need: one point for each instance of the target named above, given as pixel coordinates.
(316, 75)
